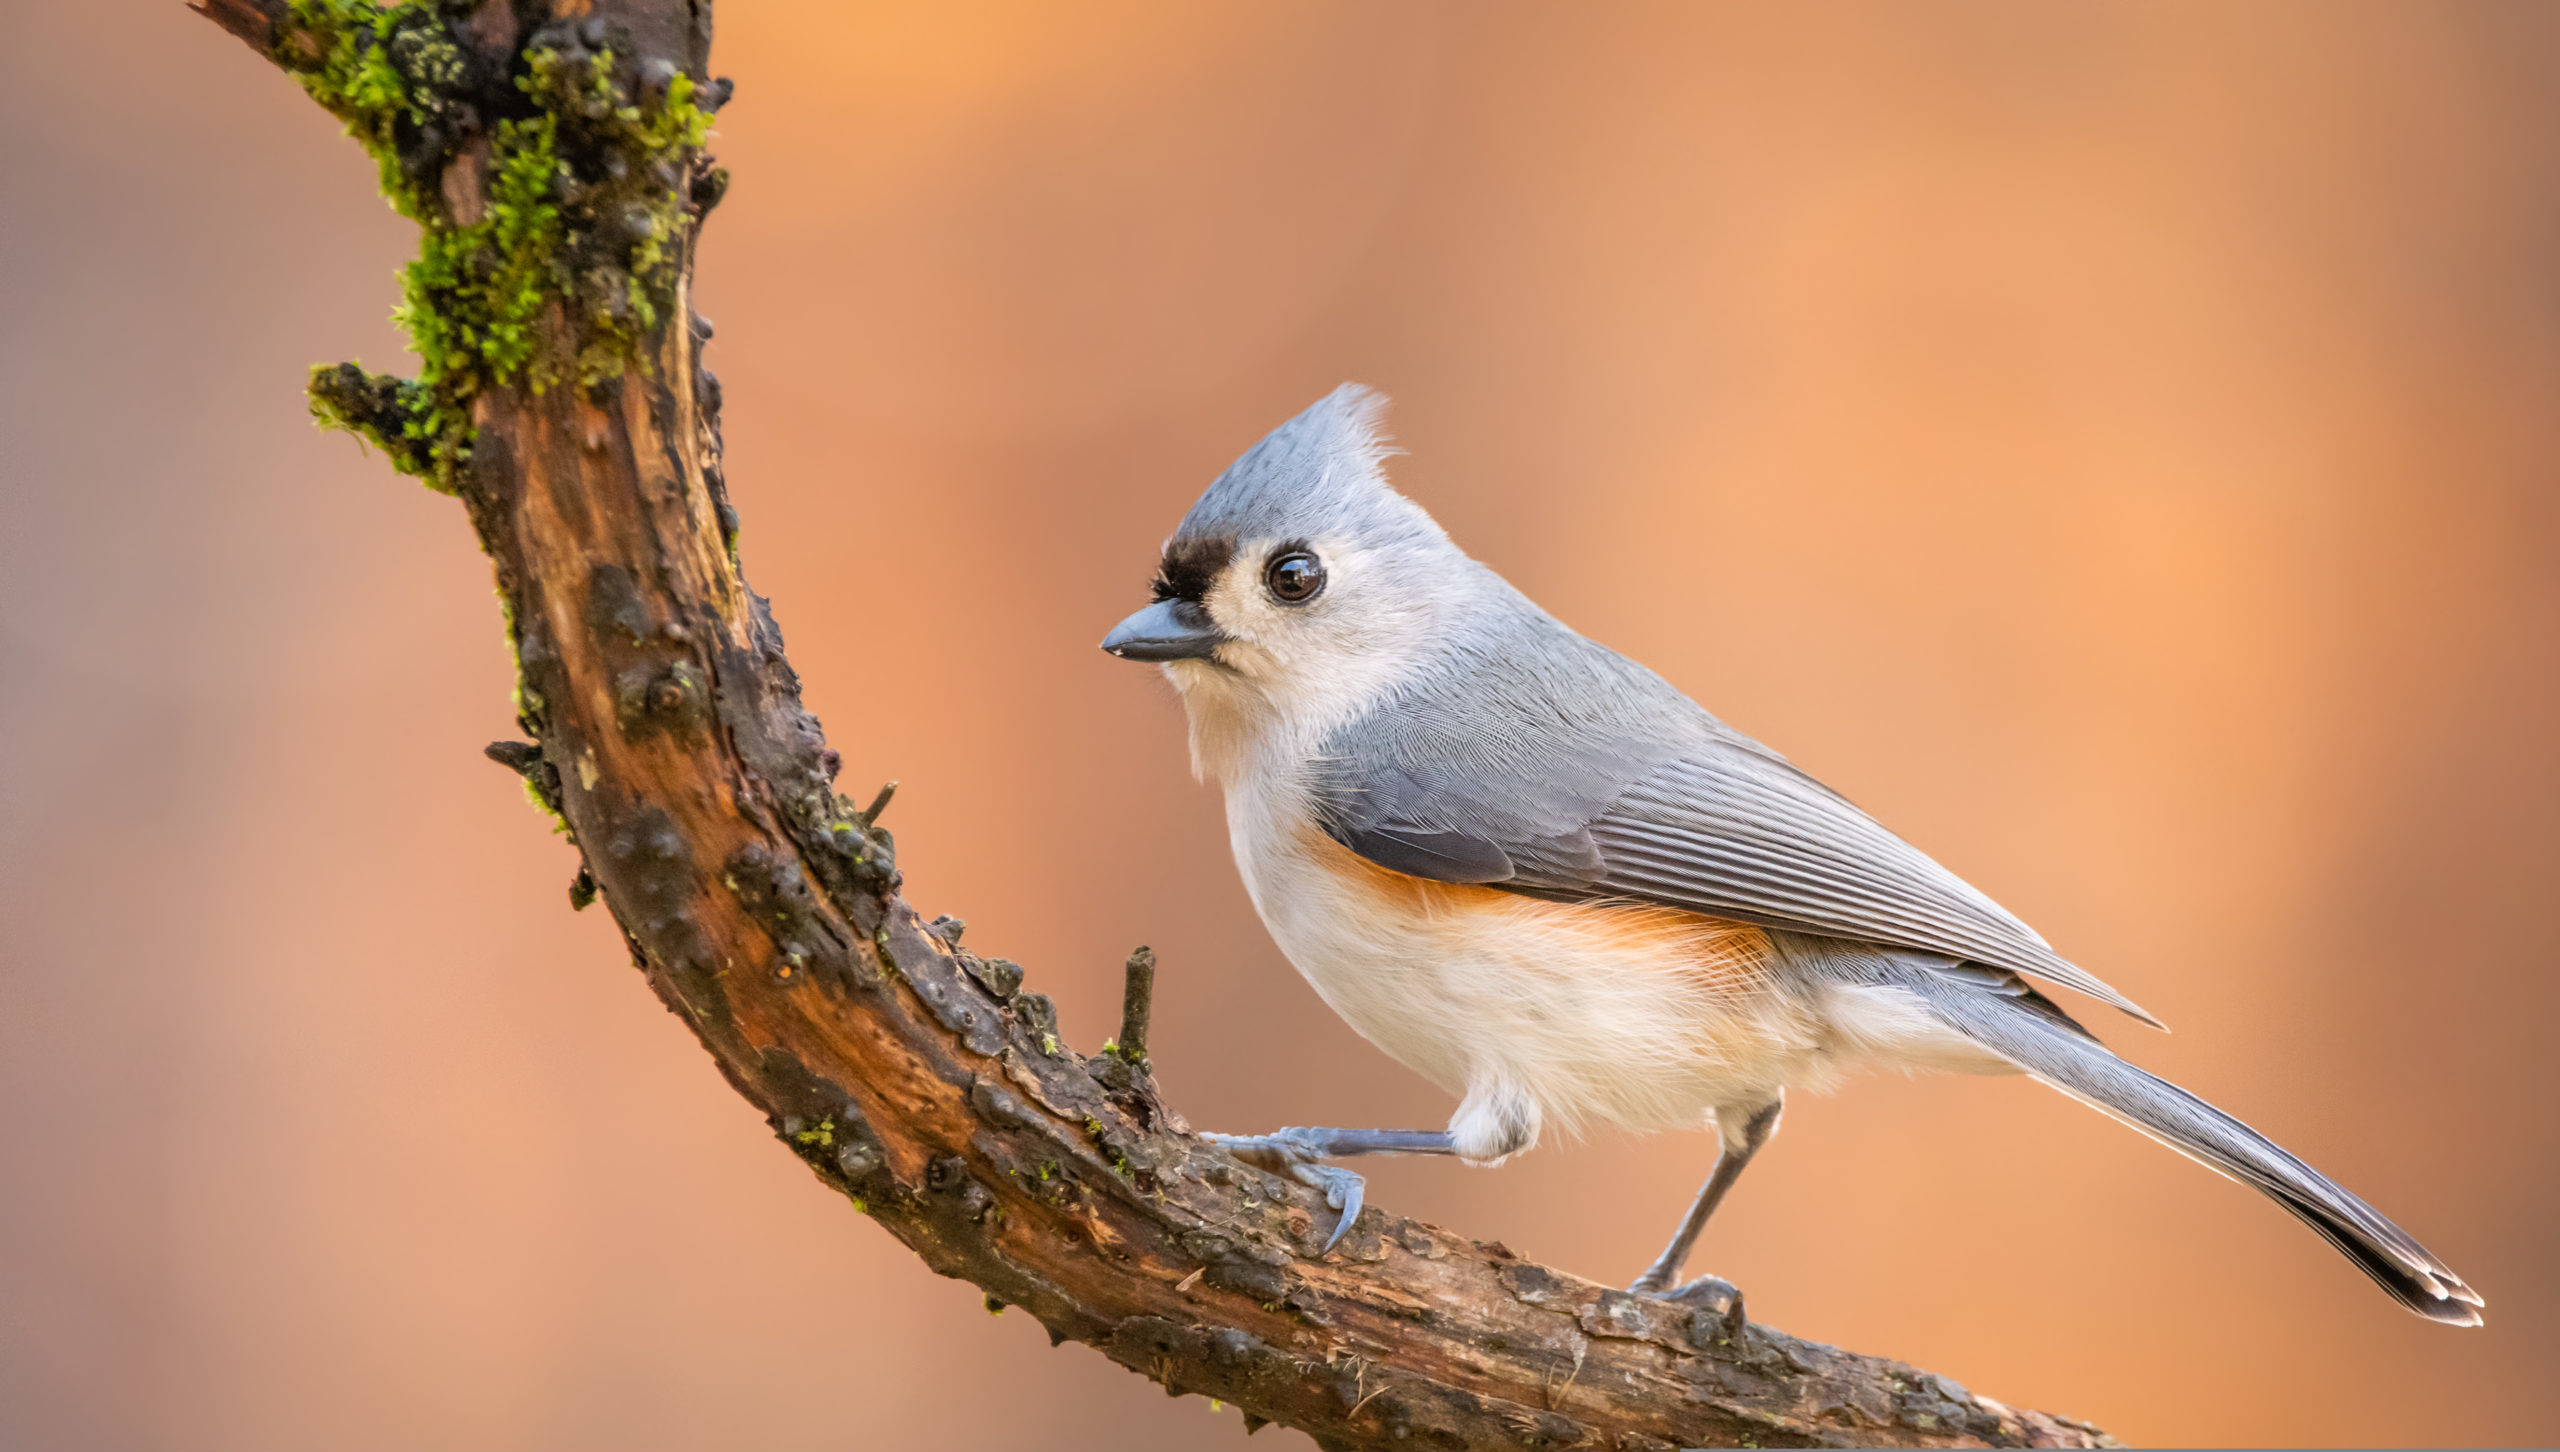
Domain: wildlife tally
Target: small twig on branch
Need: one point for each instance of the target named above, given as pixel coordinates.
(252, 20)
(551, 152)
(879, 803)
(1137, 1003)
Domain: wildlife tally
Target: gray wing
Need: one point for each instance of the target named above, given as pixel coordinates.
(1661, 804)
(1726, 831)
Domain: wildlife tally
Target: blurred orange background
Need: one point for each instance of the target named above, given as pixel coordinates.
(2116, 444)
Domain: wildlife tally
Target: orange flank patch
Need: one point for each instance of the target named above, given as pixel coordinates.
(1727, 957)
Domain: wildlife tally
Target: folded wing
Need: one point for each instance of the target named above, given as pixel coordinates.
(1700, 817)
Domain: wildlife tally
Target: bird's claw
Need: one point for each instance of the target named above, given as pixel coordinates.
(1299, 1154)
(1342, 1190)
(1712, 1294)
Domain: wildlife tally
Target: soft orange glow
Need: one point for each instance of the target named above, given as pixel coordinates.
(2113, 443)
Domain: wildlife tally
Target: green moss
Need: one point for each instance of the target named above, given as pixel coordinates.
(625, 299)
(823, 1136)
(542, 802)
(570, 259)
(386, 411)
(347, 55)
(473, 300)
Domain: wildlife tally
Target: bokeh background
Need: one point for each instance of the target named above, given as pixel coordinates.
(2118, 444)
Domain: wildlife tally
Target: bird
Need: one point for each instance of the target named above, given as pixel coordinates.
(1540, 876)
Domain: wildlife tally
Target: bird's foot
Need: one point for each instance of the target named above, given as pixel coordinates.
(1299, 1154)
(1713, 1294)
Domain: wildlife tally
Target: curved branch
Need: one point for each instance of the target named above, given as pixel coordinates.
(913, 1078)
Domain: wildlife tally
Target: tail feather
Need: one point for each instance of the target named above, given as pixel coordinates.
(2084, 1069)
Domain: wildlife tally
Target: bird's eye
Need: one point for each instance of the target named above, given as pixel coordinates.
(1294, 578)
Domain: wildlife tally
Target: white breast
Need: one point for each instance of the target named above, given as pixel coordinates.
(1538, 1013)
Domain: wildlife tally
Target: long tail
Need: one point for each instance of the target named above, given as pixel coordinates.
(2047, 1046)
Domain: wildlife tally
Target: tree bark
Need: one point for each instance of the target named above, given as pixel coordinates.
(915, 1079)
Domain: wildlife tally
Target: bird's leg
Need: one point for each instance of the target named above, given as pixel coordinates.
(1741, 1140)
(1301, 1152)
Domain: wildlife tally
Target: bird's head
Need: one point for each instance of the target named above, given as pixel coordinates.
(1300, 586)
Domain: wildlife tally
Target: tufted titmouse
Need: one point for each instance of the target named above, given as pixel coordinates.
(1535, 873)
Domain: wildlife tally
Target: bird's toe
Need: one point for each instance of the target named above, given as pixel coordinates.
(1712, 1294)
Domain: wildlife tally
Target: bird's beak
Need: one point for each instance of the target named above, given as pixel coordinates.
(1166, 630)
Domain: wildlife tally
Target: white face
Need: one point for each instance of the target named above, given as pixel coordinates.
(1318, 631)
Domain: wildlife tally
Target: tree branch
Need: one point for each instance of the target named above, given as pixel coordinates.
(551, 153)
(251, 20)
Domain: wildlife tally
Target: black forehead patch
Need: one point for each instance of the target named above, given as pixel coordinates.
(1190, 567)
